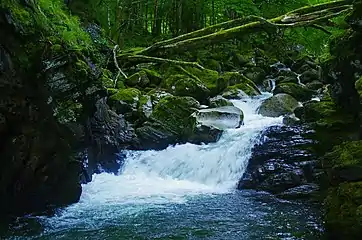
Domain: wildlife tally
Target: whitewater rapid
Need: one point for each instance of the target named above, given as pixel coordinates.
(173, 175)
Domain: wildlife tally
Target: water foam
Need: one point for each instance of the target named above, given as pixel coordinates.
(175, 174)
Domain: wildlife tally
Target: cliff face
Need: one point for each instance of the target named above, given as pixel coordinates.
(49, 69)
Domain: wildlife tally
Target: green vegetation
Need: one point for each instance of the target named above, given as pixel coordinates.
(155, 61)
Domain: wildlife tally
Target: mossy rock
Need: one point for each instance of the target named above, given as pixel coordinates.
(299, 92)
(106, 79)
(309, 76)
(174, 115)
(238, 86)
(145, 107)
(323, 113)
(358, 86)
(278, 105)
(343, 207)
(154, 77)
(181, 85)
(314, 85)
(208, 77)
(157, 94)
(139, 79)
(219, 101)
(345, 161)
(256, 74)
(212, 64)
(125, 100)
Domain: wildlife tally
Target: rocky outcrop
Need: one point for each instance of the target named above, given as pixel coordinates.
(278, 105)
(281, 164)
(48, 92)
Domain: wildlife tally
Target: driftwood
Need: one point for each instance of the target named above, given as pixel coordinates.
(310, 16)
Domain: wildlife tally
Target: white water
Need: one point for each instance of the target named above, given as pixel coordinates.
(175, 174)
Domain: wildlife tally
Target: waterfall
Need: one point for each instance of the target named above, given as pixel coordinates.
(173, 175)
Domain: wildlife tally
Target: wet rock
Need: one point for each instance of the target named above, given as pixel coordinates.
(182, 85)
(278, 105)
(221, 117)
(310, 76)
(205, 134)
(314, 85)
(300, 192)
(280, 162)
(138, 79)
(109, 133)
(170, 122)
(125, 100)
(219, 101)
(299, 92)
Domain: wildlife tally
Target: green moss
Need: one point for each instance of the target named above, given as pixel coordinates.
(206, 76)
(278, 105)
(128, 95)
(174, 115)
(343, 207)
(246, 88)
(232, 79)
(182, 85)
(358, 86)
(347, 154)
(139, 79)
(154, 76)
(145, 107)
(299, 92)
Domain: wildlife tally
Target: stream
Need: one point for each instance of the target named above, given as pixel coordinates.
(183, 192)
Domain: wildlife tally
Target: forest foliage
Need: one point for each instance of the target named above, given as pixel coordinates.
(131, 23)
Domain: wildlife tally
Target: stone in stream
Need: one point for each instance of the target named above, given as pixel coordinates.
(299, 92)
(281, 162)
(278, 105)
(221, 117)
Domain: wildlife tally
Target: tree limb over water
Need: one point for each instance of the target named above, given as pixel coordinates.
(309, 16)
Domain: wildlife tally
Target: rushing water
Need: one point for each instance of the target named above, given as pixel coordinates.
(183, 192)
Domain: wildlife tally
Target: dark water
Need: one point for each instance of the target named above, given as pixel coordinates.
(183, 192)
(237, 215)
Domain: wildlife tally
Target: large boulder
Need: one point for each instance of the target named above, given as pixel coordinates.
(282, 162)
(344, 162)
(170, 122)
(125, 100)
(220, 117)
(183, 85)
(109, 133)
(219, 101)
(278, 105)
(139, 79)
(299, 92)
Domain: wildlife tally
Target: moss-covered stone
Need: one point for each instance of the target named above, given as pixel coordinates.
(345, 162)
(278, 105)
(139, 79)
(106, 79)
(299, 92)
(256, 74)
(125, 100)
(208, 77)
(358, 86)
(174, 115)
(237, 86)
(145, 107)
(154, 77)
(219, 101)
(343, 206)
(181, 85)
(157, 94)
